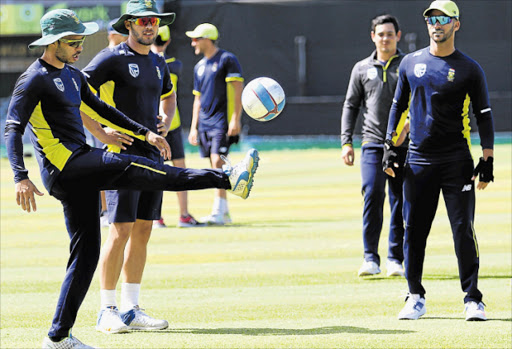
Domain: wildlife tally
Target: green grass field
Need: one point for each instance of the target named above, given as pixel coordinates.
(283, 276)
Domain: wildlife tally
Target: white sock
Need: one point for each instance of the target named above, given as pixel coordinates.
(217, 206)
(224, 205)
(108, 298)
(129, 296)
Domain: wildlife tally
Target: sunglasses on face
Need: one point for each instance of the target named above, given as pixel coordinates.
(144, 21)
(442, 20)
(73, 43)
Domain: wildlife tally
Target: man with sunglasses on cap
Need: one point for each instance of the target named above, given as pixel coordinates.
(217, 109)
(438, 83)
(174, 137)
(142, 89)
(48, 96)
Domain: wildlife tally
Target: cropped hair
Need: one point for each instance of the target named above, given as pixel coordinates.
(386, 18)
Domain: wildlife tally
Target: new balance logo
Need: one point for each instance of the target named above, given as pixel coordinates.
(467, 187)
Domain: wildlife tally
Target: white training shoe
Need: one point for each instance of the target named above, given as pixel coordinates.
(475, 311)
(394, 268)
(67, 343)
(109, 321)
(136, 319)
(241, 176)
(414, 308)
(368, 268)
(217, 219)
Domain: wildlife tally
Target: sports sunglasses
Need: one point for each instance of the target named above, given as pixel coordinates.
(144, 21)
(439, 19)
(73, 43)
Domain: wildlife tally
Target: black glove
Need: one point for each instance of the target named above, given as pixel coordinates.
(390, 157)
(485, 168)
(233, 139)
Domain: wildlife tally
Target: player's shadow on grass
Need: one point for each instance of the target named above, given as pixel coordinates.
(287, 331)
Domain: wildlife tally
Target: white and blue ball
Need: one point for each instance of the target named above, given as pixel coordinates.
(263, 99)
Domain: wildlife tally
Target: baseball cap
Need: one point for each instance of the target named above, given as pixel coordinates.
(59, 23)
(205, 30)
(448, 7)
(142, 8)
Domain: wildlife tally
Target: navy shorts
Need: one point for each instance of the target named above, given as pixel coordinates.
(129, 205)
(126, 206)
(175, 140)
(213, 142)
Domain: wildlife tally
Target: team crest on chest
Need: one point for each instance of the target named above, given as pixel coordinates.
(134, 69)
(158, 73)
(451, 75)
(60, 85)
(371, 73)
(420, 69)
(214, 67)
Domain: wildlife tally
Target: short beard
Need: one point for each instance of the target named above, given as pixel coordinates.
(141, 41)
(447, 35)
(59, 57)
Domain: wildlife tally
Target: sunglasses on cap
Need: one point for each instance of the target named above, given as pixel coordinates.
(144, 21)
(73, 43)
(442, 20)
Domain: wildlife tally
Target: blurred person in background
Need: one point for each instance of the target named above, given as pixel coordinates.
(217, 109)
(175, 135)
(110, 135)
(372, 86)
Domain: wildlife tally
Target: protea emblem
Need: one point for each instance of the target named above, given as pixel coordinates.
(134, 69)
(60, 85)
(420, 69)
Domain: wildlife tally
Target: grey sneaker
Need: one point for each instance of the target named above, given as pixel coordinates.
(241, 176)
(67, 343)
(109, 321)
(136, 319)
(368, 268)
(217, 219)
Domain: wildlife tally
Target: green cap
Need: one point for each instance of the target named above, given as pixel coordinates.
(142, 8)
(447, 7)
(59, 23)
(205, 30)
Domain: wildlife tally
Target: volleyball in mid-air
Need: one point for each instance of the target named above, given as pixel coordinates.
(263, 99)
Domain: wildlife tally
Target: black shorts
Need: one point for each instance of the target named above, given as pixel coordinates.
(129, 205)
(175, 140)
(213, 142)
